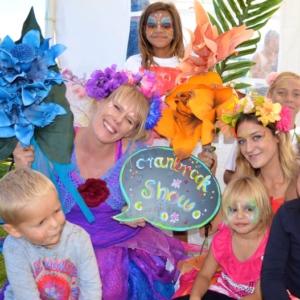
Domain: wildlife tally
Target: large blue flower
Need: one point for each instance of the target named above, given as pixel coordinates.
(25, 81)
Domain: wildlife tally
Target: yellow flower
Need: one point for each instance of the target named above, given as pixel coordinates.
(269, 112)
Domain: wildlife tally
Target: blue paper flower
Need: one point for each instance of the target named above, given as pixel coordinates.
(25, 81)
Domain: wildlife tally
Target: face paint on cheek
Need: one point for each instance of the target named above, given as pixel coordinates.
(167, 27)
(150, 27)
(265, 137)
(277, 97)
(251, 210)
(231, 210)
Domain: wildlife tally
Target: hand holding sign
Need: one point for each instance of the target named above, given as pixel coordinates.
(166, 192)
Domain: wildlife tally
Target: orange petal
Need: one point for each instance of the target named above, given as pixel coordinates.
(208, 132)
(206, 78)
(189, 48)
(202, 102)
(200, 13)
(184, 145)
(166, 124)
(223, 48)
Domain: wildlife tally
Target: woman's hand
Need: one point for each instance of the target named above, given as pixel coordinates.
(134, 224)
(209, 158)
(23, 157)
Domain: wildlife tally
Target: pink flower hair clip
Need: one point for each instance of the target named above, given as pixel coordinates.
(271, 77)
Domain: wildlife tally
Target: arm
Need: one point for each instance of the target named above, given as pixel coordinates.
(275, 261)
(23, 157)
(256, 295)
(23, 286)
(204, 277)
(228, 175)
(88, 272)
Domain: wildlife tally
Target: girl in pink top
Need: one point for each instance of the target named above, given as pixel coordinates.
(239, 246)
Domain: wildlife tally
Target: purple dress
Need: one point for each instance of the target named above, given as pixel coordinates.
(131, 260)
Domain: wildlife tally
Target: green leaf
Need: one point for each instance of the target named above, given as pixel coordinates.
(240, 64)
(240, 86)
(261, 18)
(235, 75)
(259, 26)
(250, 42)
(242, 53)
(218, 69)
(269, 3)
(213, 21)
(261, 10)
(242, 5)
(235, 9)
(220, 17)
(226, 13)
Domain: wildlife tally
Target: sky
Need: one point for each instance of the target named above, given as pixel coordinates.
(13, 13)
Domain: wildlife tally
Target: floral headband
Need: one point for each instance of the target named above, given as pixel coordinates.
(268, 112)
(102, 84)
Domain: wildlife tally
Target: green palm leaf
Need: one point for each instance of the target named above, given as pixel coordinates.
(233, 13)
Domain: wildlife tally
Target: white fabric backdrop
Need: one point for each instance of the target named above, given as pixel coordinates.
(95, 33)
(289, 59)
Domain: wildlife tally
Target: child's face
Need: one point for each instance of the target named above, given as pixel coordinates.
(243, 214)
(45, 221)
(287, 93)
(159, 29)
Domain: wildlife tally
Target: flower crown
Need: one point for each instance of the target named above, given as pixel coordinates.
(102, 84)
(268, 112)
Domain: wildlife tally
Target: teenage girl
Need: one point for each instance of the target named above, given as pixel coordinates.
(239, 245)
(160, 43)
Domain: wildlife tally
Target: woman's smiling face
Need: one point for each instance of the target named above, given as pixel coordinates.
(114, 120)
(257, 144)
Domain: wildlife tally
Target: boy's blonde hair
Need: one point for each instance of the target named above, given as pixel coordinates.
(139, 103)
(253, 188)
(19, 188)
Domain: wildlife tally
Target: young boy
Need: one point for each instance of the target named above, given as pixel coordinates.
(45, 256)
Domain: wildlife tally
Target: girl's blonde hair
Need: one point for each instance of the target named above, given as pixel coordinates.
(243, 187)
(139, 104)
(286, 153)
(145, 48)
(280, 77)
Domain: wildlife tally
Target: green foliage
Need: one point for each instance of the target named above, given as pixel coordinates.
(232, 13)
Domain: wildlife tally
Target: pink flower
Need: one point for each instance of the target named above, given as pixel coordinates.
(147, 86)
(249, 105)
(271, 77)
(285, 121)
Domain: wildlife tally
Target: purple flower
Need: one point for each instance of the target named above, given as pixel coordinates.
(103, 83)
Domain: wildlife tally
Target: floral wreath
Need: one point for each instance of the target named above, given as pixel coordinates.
(102, 84)
(268, 112)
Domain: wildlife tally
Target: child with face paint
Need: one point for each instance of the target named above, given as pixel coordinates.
(284, 89)
(160, 43)
(239, 245)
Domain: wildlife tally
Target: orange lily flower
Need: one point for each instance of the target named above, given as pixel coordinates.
(208, 45)
(193, 108)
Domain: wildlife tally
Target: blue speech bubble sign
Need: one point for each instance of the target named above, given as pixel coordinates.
(166, 192)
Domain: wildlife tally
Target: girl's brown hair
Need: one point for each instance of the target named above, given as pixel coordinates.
(145, 48)
(286, 153)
